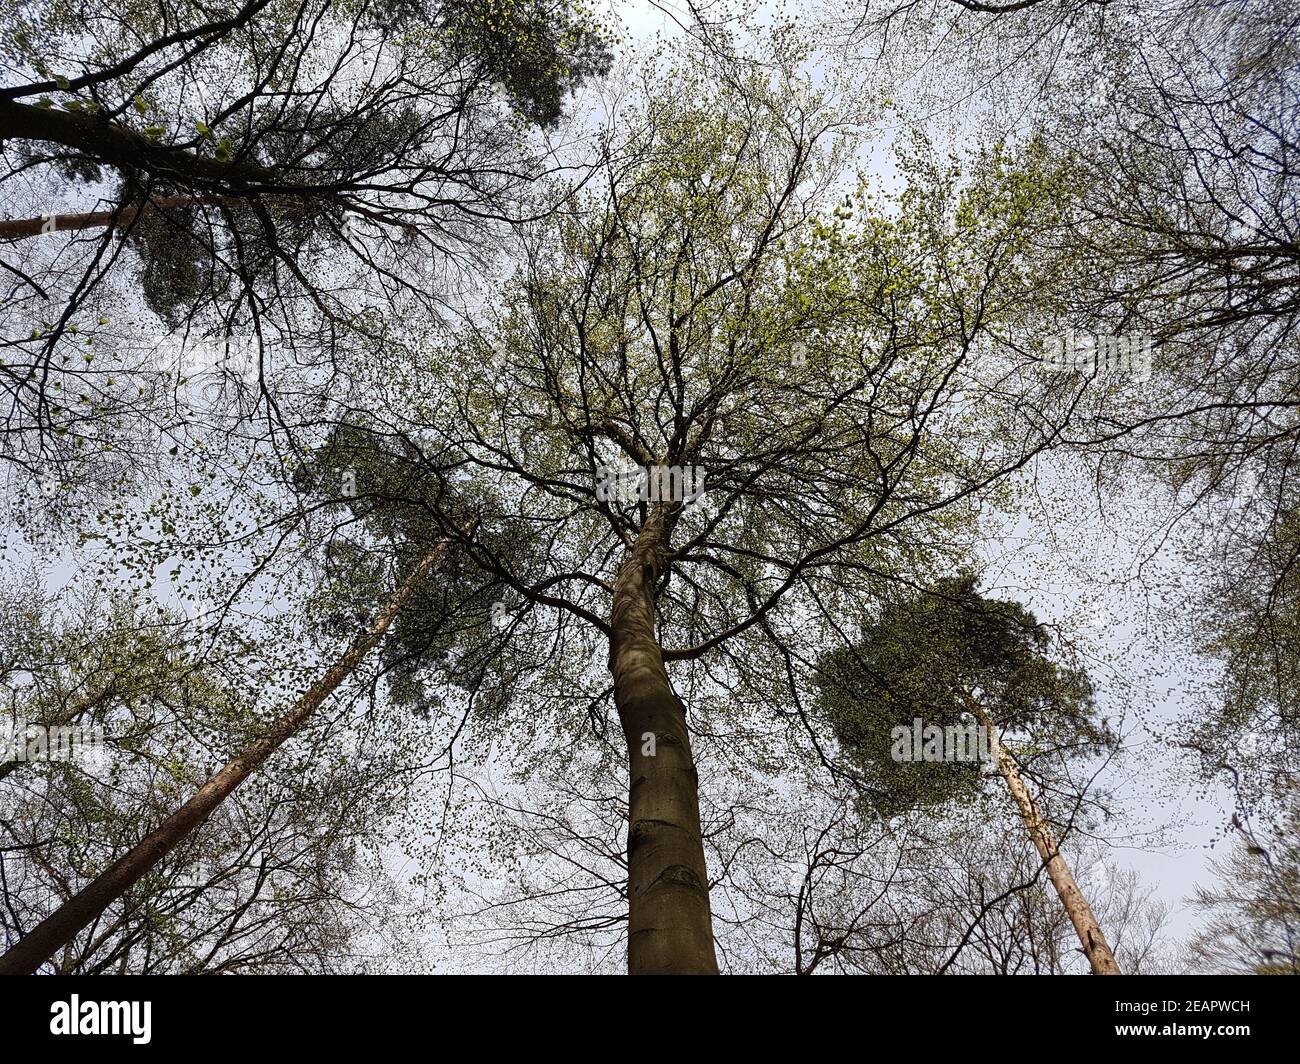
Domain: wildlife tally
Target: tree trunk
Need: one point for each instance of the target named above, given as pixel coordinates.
(25, 228)
(22, 228)
(59, 928)
(17, 229)
(1095, 946)
(670, 927)
(115, 144)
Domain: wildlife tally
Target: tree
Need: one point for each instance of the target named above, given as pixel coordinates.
(942, 660)
(1253, 916)
(1178, 123)
(711, 306)
(57, 930)
(231, 173)
(1185, 213)
(280, 878)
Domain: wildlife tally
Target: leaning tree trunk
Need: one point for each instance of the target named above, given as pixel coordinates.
(1095, 946)
(119, 146)
(670, 927)
(59, 928)
(21, 228)
(122, 218)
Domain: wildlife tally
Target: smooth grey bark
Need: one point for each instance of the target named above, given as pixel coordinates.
(670, 925)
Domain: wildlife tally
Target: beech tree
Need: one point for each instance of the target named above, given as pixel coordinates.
(713, 302)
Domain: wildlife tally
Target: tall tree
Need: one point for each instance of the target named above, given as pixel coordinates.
(714, 307)
(212, 161)
(57, 930)
(278, 879)
(949, 658)
(1178, 120)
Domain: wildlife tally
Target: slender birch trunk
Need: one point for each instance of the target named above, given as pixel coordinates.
(58, 929)
(1091, 938)
(670, 926)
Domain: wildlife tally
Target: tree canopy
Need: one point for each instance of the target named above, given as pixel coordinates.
(489, 487)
